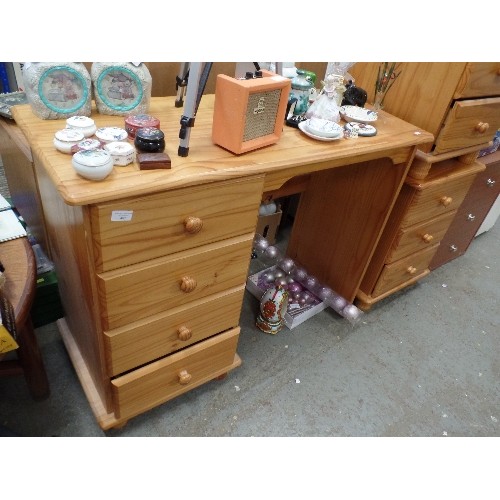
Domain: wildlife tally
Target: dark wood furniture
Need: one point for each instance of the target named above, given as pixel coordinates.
(20, 270)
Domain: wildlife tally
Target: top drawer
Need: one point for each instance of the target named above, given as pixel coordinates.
(169, 222)
(469, 123)
(480, 79)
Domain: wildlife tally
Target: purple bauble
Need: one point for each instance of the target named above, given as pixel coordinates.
(294, 287)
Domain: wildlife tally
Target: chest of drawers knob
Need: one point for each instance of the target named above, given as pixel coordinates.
(188, 284)
(490, 183)
(453, 248)
(446, 200)
(184, 377)
(193, 225)
(427, 237)
(411, 270)
(184, 333)
(482, 127)
(471, 217)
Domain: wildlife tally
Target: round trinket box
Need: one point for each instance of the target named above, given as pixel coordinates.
(58, 90)
(84, 124)
(149, 140)
(121, 88)
(94, 165)
(134, 122)
(364, 130)
(111, 134)
(86, 145)
(66, 138)
(123, 153)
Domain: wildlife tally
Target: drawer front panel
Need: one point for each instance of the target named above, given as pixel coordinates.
(165, 223)
(129, 294)
(480, 79)
(153, 338)
(469, 123)
(437, 199)
(173, 375)
(420, 236)
(399, 272)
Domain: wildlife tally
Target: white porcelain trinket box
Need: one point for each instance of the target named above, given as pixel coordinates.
(84, 124)
(66, 138)
(95, 165)
(123, 153)
(87, 145)
(111, 134)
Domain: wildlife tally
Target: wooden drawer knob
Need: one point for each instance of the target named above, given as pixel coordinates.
(482, 127)
(427, 237)
(411, 270)
(188, 284)
(184, 377)
(184, 333)
(193, 225)
(446, 200)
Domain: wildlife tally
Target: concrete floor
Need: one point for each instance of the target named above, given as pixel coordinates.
(424, 362)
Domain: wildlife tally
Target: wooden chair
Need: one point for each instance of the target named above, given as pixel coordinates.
(20, 270)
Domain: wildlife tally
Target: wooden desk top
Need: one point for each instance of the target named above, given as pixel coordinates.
(295, 154)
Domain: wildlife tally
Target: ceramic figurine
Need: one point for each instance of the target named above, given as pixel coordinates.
(326, 106)
(273, 306)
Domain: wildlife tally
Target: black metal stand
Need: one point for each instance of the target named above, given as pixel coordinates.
(196, 83)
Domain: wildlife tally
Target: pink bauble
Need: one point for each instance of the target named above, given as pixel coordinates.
(278, 273)
(271, 252)
(299, 274)
(261, 245)
(337, 302)
(311, 282)
(280, 282)
(325, 292)
(351, 312)
(287, 265)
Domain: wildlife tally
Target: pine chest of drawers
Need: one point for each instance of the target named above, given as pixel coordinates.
(163, 277)
(459, 103)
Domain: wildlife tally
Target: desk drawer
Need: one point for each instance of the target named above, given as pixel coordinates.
(399, 272)
(139, 291)
(435, 199)
(152, 338)
(469, 123)
(169, 377)
(480, 79)
(419, 236)
(165, 223)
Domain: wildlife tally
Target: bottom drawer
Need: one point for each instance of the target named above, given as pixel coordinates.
(173, 375)
(399, 272)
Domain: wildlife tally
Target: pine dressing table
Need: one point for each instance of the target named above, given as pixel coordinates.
(152, 264)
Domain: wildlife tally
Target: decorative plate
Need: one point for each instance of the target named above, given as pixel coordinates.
(357, 114)
(303, 128)
(323, 128)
